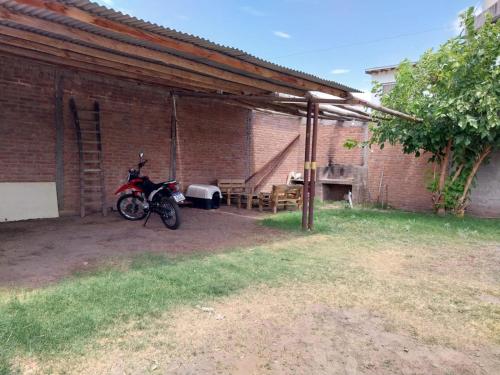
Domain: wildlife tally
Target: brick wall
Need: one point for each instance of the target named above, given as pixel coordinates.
(134, 117)
(404, 179)
(27, 141)
(212, 141)
(271, 133)
(215, 140)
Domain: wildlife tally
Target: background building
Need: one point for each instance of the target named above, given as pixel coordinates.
(485, 196)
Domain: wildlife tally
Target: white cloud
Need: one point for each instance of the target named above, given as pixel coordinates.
(254, 12)
(340, 71)
(282, 34)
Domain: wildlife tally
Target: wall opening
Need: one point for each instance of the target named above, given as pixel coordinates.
(335, 192)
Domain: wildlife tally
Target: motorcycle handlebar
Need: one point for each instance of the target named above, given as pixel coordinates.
(142, 163)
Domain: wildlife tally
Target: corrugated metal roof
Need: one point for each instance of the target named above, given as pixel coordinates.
(381, 69)
(128, 20)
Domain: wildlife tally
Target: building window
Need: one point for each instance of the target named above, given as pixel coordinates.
(387, 87)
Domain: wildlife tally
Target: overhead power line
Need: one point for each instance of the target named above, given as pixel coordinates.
(364, 42)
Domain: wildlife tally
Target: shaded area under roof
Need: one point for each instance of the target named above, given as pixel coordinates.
(83, 35)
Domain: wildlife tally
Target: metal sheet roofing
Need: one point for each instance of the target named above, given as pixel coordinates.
(131, 21)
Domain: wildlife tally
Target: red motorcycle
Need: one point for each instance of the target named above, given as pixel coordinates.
(140, 197)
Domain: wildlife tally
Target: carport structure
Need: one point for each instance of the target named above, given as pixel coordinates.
(85, 36)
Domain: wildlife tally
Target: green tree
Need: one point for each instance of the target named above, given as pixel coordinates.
(455, 90)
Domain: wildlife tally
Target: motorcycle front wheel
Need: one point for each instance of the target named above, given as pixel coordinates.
(170, 213)
(131, 207)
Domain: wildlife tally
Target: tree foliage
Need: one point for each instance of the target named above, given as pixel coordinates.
(455, 90)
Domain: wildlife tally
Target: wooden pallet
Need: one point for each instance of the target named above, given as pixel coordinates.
(88, 135)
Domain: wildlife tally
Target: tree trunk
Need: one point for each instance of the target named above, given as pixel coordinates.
(457, 173)
(462, 204)
(442, 178)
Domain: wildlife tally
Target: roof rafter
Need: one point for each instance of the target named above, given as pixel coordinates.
(181, 46)
(69, 50)
(87, 38)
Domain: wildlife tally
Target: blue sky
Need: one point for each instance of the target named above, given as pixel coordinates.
(337, 40)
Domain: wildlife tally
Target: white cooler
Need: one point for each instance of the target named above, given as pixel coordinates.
(204, 196)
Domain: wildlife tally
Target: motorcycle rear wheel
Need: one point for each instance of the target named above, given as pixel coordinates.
(131, 207)
(170, 213)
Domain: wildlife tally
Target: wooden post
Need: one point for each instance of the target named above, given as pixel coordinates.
(59, 124)
(312, 175)
(173, 137)
(307, 166)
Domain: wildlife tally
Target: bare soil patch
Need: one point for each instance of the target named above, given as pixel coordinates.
(297, 331)
(36, 252)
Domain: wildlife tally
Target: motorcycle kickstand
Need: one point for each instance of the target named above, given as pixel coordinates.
(147, 218)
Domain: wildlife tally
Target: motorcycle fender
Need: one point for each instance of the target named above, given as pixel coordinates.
(161, 191)
(129, 186)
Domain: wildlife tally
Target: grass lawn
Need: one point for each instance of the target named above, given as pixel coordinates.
(429, 282)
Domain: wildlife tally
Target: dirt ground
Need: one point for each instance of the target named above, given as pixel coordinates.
(299, 330)
(36, 252)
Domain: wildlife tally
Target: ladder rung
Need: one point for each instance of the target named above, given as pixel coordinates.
(91, 203)
(92, 170)
(91, 142)
(89, 131)
(91, 152)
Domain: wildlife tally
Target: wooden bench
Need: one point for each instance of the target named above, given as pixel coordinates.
(231, 188)
(281, 195)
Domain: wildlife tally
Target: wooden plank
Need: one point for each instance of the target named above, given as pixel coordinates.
(196, 51)
(143, 52)
(273, 159)
(173, 137)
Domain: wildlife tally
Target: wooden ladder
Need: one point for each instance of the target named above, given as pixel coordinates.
(88, 135)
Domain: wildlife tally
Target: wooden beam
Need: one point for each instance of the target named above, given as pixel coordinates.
(253, 98)
(194, 50)
(351, 116)
(298, 112)
(331, 111)
(312, 177)
(66, 49)
(91, 64)
(173, 137)
(358, 111)
(83, 66)
(385, 110)
(194, 67)
(307, 168)
(59, 125)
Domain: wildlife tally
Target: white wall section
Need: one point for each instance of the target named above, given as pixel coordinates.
(27, 200)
